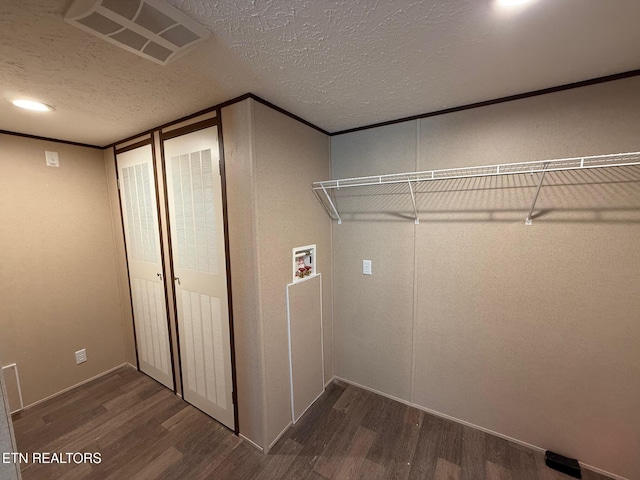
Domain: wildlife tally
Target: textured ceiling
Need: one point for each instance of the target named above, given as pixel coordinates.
(338, 64)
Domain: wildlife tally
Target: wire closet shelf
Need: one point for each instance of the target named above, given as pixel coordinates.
(411, 179)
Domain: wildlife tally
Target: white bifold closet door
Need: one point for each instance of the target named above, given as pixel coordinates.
(194, 192)
(140, 216)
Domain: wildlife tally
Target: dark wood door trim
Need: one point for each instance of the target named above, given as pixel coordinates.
(225, 217)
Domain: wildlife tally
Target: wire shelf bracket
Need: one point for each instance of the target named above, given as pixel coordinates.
(413, 199)
(529, 219)
(541, 167)
(333, 207)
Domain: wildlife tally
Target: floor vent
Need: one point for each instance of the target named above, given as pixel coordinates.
(152, 29)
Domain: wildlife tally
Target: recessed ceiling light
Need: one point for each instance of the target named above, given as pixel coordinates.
(511, 3)
(31, 105)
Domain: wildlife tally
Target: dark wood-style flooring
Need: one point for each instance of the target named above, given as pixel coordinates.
(143, 431)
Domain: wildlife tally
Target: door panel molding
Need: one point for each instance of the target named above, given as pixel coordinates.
(141, 225)
(225, 218)
(187, 129)
(197, 232)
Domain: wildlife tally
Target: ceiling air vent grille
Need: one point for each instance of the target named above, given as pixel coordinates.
(152, 29)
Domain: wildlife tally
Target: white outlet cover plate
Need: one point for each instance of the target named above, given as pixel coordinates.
(366, 267)
(52, 159)
(81, 356)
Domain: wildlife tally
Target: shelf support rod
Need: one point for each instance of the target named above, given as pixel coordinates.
(529, 219)
(413, 199)
(333, 207)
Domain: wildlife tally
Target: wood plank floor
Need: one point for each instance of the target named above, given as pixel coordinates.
(144, 432)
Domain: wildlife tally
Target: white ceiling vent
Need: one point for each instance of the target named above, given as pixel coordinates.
(150, 28)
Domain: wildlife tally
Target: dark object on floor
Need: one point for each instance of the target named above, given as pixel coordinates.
(570, 466)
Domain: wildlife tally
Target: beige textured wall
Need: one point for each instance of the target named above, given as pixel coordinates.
(237, 136)
(374, 314)
(58, 276)
(288, 157)
(270, 160)
(527, 331)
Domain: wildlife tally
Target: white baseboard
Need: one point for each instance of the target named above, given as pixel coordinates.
(126, 364)
(471, 425)
(279, 436)
(301, 415)
(251, 442)
(329, 382)
(295, 420)
(586, 466)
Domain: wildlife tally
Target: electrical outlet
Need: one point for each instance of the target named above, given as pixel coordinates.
(51, 159)
(366, 267)
(81, 356)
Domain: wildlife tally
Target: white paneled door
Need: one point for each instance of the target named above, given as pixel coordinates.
(194, 192)
(140, 216)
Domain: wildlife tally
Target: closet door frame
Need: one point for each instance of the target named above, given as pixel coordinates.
(167, 135)
(116, 152)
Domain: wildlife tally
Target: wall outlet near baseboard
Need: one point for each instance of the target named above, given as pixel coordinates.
(81, 356)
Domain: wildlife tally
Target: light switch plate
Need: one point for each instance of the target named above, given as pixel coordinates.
(52, 159)
(366, 267)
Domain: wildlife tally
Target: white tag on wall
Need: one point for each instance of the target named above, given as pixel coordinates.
(51, 159)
